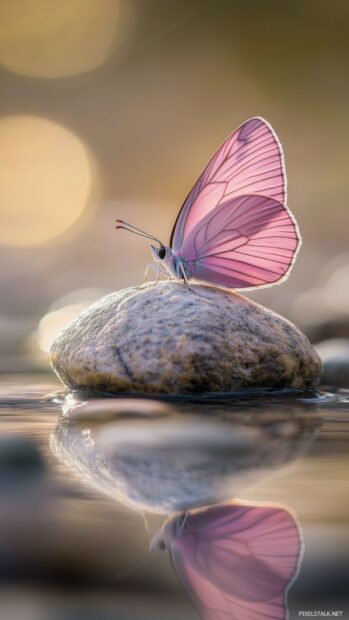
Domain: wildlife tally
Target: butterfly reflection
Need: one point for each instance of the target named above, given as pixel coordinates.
(235, 560)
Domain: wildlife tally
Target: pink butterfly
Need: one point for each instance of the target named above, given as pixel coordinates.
(234, 229)
(235, 560)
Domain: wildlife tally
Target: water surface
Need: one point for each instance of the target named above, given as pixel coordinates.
(86, 483)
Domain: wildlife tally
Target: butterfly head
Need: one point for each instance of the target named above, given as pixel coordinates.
(164, 255)
(159, 542)
(160, 254)
(170, 532)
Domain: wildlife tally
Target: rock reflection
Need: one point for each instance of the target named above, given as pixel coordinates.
(152, 456)
(235, 560)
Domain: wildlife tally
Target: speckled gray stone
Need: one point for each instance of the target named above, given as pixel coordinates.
(166, 339)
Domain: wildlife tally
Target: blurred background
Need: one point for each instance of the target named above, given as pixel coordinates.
(111, 108)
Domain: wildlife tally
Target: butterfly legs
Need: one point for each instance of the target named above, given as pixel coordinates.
(158, 270)
(182, 274)
(181, 523)
(180, 271)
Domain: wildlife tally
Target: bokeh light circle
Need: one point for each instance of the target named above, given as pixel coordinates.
(57, 39)
(62, 312)
(45, 180)
(52, 323)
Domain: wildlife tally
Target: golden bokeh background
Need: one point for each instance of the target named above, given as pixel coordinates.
(45, 180)
(47, 39)
(111, 108)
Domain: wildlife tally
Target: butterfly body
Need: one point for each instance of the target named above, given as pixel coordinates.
(234, 229)
(172, 263)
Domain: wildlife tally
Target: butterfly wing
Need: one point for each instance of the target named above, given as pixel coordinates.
(247, 241)
(214, 604)
(250, 161)
(237, 561)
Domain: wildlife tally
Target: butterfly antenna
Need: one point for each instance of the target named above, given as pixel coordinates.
(130, 570)
(136, 231)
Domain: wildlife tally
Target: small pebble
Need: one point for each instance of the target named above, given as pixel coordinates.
(334, 353)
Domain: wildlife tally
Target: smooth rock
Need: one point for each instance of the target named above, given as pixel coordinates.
(334, 353)
(168, 339)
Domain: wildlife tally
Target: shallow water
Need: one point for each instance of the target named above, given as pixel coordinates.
(85, 484)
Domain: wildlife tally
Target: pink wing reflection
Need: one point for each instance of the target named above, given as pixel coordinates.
(236, 561)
